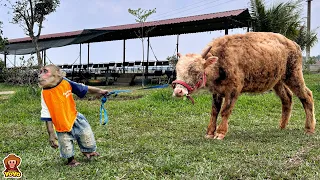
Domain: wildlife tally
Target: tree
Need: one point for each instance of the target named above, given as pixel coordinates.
(305, 39)
(141, 17)
(31, 13)
(284, 18)
(2, 39)
(173, 60)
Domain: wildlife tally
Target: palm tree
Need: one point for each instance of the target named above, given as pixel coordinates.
(284, 18)
(305, 39)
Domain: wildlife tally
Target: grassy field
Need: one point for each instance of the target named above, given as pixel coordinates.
(151, 135)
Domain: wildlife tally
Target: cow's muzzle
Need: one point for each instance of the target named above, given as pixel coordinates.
(179, 92)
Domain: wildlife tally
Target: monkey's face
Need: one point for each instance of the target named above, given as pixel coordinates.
(12, 163)
(48, 77)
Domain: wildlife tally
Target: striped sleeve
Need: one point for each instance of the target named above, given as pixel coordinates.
(45, 114)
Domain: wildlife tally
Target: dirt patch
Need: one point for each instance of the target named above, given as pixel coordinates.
(4, 95)
(298, 158)
(6, 92)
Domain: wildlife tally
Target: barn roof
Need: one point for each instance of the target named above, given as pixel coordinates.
(191, 24)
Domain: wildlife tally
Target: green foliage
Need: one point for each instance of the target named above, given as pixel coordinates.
(141, 17)
(311, 60)
(173, 61)
(2, 65)
(160, 137)
(141, 14)
(284, 18)
(30, 13)
(305, 39)
(25, 74)
(307, 63)
(3, 40)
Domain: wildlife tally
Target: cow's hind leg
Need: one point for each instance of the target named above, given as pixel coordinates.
(286, 99)
(296, 83)
(229, 102)
(216, 106)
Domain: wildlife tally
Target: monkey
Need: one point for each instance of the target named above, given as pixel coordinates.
(63, 122)
(11, 163)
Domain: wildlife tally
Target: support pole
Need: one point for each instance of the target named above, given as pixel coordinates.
(177, 44)
(308, 28)
(88, 55)
(124, 56)
(5, 59)
(226, 30)
(44, 57)
(147, 65)
(80, 54)
(14, 60)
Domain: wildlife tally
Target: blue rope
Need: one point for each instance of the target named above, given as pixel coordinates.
(104, 100)
(115, 93)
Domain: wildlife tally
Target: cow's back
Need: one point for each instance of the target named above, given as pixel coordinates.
(256, 61)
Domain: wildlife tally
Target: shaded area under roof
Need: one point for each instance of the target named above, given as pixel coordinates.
(191, 24)
(27, 47)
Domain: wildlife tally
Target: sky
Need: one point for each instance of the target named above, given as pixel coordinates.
(74, 15)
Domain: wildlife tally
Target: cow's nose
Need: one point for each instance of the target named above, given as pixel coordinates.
(178, 92)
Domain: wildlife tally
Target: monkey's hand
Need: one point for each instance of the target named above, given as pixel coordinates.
(103, 92)
(53, 141)
(52, 135)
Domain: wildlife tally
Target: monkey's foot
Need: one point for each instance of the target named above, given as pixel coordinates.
(90, 154)
(73, 163)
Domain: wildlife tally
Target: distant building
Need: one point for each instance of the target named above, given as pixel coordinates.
(315, 67)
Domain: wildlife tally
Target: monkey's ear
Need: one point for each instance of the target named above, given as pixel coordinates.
(63, 73)
(179, 55)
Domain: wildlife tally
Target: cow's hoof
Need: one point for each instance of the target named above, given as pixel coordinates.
(309, 131)
(209, 136)
(282, 126)
(219, 136)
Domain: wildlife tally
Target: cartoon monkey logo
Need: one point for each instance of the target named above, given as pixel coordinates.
(11, 163)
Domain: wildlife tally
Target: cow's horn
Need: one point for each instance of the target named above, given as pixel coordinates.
(206, 52)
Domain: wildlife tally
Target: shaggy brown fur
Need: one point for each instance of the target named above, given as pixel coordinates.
(251, 62)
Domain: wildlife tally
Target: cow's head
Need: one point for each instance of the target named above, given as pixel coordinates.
(191, 72)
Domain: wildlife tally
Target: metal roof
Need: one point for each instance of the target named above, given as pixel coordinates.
(191, 24)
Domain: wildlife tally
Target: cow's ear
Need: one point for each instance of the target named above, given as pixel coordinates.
(179, 55)
(210, 60)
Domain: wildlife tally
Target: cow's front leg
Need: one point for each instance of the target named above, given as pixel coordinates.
(229, 102)
(216, 106)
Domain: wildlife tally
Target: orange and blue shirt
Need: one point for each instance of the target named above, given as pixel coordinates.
(59, 106)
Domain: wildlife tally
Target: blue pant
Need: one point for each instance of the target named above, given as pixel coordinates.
(82, 133)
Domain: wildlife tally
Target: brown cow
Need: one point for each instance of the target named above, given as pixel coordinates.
(251, 62)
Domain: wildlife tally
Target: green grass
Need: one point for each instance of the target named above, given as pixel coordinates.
(151, 135)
